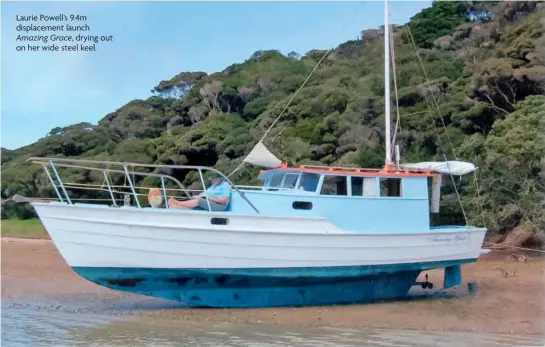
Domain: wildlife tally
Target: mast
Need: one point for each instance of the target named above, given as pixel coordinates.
(387, 83)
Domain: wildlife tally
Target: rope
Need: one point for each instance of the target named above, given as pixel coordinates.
(431, 92)
(522, 248)
(294, 95)
(481, 204)
(284, 110)
(479, 198)
(237, 168)
(419, 112)
(435, 128)
(288, 104)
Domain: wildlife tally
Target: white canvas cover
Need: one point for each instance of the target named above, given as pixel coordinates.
(369, 186)
(453, 167)
(435, 193)
(261, 156)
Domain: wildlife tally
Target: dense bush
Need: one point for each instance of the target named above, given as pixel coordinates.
(485, 62)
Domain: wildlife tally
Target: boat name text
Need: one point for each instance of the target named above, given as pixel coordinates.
(455, 238)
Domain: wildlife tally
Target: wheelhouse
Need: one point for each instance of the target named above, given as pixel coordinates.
(331, 181)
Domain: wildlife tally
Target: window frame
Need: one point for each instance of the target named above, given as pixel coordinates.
(268, 185)
(387, 195)
(323, 181)
(363, 179)
(283, 182)
(318, 184)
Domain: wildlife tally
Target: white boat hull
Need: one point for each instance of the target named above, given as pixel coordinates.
(163, 252)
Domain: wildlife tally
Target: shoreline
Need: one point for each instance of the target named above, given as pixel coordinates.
(509, 298)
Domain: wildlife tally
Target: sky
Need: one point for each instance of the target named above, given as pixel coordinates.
(153, 41)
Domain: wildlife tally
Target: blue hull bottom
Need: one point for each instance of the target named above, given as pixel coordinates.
(244, 288)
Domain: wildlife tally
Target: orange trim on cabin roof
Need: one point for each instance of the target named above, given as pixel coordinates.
(389, 170)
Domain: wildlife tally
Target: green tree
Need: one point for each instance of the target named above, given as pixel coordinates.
(485, 63)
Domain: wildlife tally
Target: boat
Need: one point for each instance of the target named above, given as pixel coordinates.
(309, 235)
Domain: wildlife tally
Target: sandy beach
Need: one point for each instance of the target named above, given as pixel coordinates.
(510, 297)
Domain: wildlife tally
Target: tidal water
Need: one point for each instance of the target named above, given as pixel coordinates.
(28, 326)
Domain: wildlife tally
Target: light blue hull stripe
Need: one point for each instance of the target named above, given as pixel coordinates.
(268, 287)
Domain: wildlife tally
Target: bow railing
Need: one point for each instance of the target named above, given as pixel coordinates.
(129, 171)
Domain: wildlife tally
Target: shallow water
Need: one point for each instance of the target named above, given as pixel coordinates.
(27, 325)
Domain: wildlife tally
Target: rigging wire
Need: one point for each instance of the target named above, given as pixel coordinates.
(435, 128)
(431, 92)
(285, 108)
(293, 96)
(481, 202)
(289, 102)
(398, 119)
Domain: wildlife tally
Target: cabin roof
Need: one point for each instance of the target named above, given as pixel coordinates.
(388, 171)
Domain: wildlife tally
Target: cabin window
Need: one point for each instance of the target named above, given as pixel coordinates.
(334, 185)
(275, 180)
(290, 181)
(364, 186)
(219, 221)
(302, 205)
(390, 186)
(309, 182)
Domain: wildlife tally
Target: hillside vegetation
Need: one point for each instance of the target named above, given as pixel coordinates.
(486, 66)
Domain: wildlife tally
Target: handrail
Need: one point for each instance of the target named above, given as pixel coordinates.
(75, 185)
(180, 184)
(64, 162)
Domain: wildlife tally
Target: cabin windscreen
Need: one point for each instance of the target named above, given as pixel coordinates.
(290, 180)
(282, 180)
(274, 181)
(304, 181)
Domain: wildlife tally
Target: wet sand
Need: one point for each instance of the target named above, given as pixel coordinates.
(510, 298)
